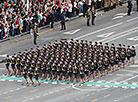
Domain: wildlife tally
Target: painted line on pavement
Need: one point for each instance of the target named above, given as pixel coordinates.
(130, 78)
(102, 29)
(106, 95)
(114, 38)
(8, 97)
(95, 100)
(35, 90)
(132, 19)
(126, 97)
(136, 45)
(10, 91)
(119, 34)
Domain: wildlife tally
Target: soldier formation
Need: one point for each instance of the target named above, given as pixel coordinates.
(73, 61)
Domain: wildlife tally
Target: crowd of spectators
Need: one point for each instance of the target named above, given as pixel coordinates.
(16, 17)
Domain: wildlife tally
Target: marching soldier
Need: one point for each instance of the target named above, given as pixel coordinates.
(13, 62)
(36, 74)
(25, 71)
(133, 54)
(18, 65)
(30, 74)
(128, 55)
(7, 64)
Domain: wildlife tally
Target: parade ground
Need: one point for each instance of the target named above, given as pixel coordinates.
(110, 27)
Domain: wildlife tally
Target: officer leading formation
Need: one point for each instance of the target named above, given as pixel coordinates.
(73, 61)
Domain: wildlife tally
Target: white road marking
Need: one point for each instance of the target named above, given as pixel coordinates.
(11, 90)
(125, 98)
(4, 55)
(17, 88)
(132, 19)
(5, 92)
(133, 38)
(121, 36)
(77, 99)
(124, 87)
(130, 78)
(74, 87)
(119, 74)
(102, 29)
(117, 17)
(54, 83)
(56, 90)
(133, 87)
(89, 85)
(136, 45)
(45, 82)
(19, 81)
(82, 97)
(50, 92)
(72, 31)
(121, 14)
(87, 95)
(24, 101)
(38, 96)
(45, 94)
(105, 35)
(31, 98)
(2, 79)
(2, 68)
(11, 80)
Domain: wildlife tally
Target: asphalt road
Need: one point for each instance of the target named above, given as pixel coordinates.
(112, 27)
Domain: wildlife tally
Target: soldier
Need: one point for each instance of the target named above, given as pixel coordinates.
(36, 74)
(122, 57)
(133, 54)
(25, 71)
(13, 62)
(75, 73)
(35, 33)
(81, 72)
(30, 74)
(112, 62)
(93, 15)
(129, 7)
(88, 16)
(106, 65)
(64, 71)
(117, 60)
(62, 18)
(7, 64)
(128, 55)
(22, 65)
(100, 66)
(137, 4)
(18, 65)
(69, 71)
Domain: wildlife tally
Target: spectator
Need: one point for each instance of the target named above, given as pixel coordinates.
(17, 18)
